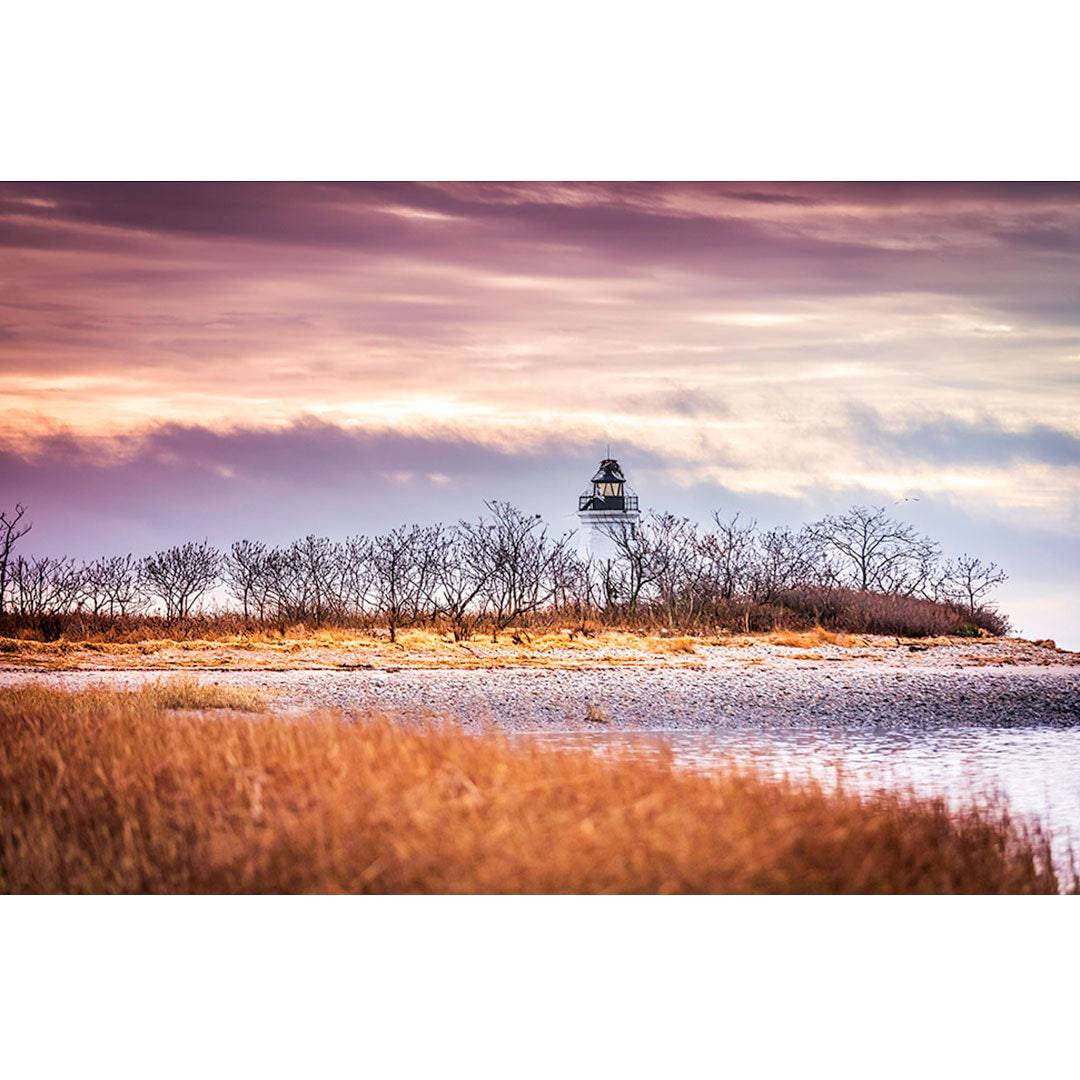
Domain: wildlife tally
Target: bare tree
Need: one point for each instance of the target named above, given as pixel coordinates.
(636, 566)
(727, 556)
(45, 586)
(94, 596)
(180, 575)
(122, 585)
(245, 568)
(430, 544)
(573, 584)
(11, 531)
(317, 566)
(514, 560)
(783, 559)
(395, 556)
(970, 580)
(676, 565)
(459, 577)
(921, 574)
(356, 574)
(876, 552)
(110, 586)
(612, 585)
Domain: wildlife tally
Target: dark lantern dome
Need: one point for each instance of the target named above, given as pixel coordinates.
(608, 490)
(610, 472)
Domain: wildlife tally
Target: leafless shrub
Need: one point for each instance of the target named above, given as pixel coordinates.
(459, 579)
(875, 552)
(514, 559)
(403, 569)
(246, 574)
(180, 575)
(884, 613)
(111, 586)
(727, 557)
(968, 581)
(12, 530)
(43, 589)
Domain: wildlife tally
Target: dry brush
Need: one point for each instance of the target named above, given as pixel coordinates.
(110, 792)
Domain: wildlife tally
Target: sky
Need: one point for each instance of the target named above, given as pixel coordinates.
(214, 360)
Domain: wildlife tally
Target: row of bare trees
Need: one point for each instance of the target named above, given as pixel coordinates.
(667, 561)
(499, 571)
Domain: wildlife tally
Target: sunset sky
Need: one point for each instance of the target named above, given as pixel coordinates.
(180, 361)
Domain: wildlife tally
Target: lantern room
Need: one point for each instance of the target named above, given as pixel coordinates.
(608, 490)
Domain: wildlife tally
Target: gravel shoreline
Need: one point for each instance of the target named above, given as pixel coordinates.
(760, 686)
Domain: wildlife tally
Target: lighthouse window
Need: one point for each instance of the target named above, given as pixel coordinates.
(609, 489)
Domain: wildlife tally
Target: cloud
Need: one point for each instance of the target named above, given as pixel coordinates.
(175, 482)
(950, 441)
(688, 402)
(773, 197)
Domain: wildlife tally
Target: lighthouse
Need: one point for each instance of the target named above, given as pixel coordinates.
(607, 508)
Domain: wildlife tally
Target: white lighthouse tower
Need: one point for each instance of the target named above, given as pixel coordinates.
(608, 508)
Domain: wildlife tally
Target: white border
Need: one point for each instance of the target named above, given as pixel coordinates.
(563, 90)
(537, 987)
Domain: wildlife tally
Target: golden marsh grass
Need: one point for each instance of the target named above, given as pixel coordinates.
(104, 791)
(189, 693)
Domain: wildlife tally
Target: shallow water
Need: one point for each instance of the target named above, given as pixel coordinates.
(1036, 769)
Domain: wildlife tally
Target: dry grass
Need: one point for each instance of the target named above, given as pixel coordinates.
(189, 693)
(300, 648)
(104, 792)
(809, 639)
(675, 645)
